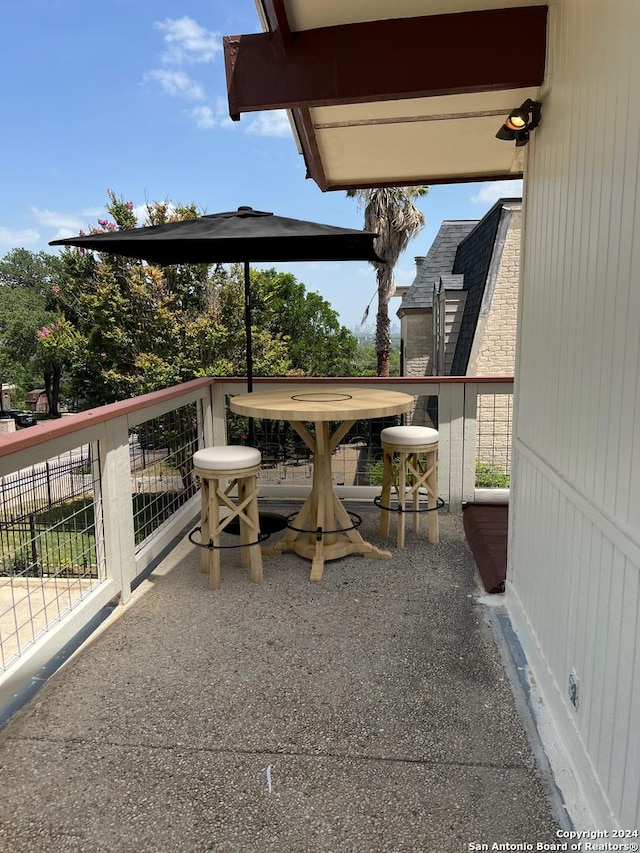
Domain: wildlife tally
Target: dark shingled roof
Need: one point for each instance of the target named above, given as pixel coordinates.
(473, 261)
(462, 251)
(452, 282)
(439, 261)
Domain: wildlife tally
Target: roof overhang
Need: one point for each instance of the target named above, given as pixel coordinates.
(374, 101)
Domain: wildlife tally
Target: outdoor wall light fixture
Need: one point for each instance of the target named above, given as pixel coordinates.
(519, 122)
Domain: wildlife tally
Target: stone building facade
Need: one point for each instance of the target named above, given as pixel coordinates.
(459, 317)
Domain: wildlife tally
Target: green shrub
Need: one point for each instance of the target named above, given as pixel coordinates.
(491, 475)
(373, 471)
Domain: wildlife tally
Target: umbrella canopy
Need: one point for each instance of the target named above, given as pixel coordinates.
(242, 235)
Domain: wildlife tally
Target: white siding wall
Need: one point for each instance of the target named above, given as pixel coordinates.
(575, 518)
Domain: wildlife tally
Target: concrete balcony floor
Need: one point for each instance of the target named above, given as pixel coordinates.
(369, 712)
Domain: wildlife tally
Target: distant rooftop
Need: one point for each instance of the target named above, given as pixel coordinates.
(438, 261)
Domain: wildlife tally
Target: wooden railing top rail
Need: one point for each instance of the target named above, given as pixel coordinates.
(47, 430)
(369, 380)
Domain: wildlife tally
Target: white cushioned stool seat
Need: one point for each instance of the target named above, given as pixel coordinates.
(409, 435)
(410, 471)
(226, 458)
(229, 494)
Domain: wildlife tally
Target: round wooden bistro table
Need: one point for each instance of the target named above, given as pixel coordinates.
(322, 530)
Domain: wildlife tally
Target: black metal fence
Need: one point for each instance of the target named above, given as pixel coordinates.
(47, 524)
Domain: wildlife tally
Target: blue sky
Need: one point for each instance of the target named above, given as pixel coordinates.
(131, 95)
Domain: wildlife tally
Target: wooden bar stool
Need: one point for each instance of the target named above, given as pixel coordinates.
(415, 468)
(238, 465)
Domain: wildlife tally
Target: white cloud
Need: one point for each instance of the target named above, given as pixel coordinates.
(177, 84)
(140, 212)
(67, 222)
(63, 232)
(490, 193)
(222, 113)
(188, 41)
(207, 117)
(18, 238)
(271, 123)
(203, 117)
(70, 224)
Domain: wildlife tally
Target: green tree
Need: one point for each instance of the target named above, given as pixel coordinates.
(54, 352)
(318, 345)
(366, 361)
(390, 212)
(21, 312)
(215, 337)
(37, 271)
(28, 286)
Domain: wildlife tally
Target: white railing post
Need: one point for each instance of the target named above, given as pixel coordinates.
(451, 429)
(117, 505)
(219, 414)
(205, 416)
(470, 441)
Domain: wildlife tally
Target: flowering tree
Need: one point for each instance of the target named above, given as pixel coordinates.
(57, 341)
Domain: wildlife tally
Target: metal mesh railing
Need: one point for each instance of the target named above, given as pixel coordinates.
(493, 436)
(286, 459)
(48, 555)
(161, 452)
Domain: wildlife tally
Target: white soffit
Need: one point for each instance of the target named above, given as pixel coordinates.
(422, 139)
(408, 109)
(313, 14)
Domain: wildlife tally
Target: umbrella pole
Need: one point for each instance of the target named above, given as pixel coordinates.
(247, 330)
(270, 522)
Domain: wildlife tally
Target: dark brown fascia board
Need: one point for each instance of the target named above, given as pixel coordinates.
(387, 60)
(420, 179)
(309, 144)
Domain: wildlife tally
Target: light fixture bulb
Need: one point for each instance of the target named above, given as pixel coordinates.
(520, 122)
(516, 121)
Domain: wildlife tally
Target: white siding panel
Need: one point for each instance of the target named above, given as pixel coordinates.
(574, 561)
(581, 604)
(630, 794)
(625, 744)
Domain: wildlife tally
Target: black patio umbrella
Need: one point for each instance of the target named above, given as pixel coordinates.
(242, 235)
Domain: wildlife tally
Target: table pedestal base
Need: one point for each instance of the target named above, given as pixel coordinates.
(325, 531)
(320, 546)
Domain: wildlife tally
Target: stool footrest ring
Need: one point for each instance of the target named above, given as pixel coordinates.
(319, 532)
(378, 502)
(211, 547)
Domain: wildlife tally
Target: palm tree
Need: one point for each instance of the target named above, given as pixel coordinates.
(390, 212)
